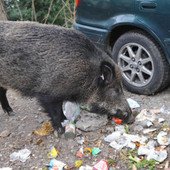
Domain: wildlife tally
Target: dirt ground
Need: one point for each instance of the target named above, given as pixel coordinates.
(30, 117)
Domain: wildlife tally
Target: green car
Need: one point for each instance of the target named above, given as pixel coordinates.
(137, 32)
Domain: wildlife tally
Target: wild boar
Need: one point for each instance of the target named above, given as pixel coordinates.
(56, 64)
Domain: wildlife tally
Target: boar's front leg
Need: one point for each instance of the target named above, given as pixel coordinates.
(55, 111)
(4, 102)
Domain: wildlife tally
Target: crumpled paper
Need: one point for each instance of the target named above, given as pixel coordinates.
(151, 153)
(21, 155)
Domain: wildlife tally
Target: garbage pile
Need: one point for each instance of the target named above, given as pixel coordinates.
(145, 137)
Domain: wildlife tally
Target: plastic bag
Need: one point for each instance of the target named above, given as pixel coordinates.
(71, 111)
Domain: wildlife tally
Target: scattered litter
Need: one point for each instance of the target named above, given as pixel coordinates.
(117, 120)
(138, 144)
(132, 103)
(64, 123)
(80, 141)
(54, 164)
(99, 143)
(101, 165)
(87, 150)
(151, 153)
(95, 151)
(113, 136)
(78, 163)
(85, 168)
(80, 153)
(163, 138)
(120, 128)
(146, 131)
(146, 115)
(161, 120)
(4, 133)
(91, 121)
(53, 153)
(138, 128)
(45, 130)
(21, 155)
(149, 123)
(121, 142)
(145, 149)
(118, 140)
(118, 144)
(136, 138)
(71, 111)
(155, 111)
(39, 142)
(70, 130)
(159, 156)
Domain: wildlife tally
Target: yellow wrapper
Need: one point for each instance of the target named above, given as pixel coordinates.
(53, 153)
(87, 150)
(45, 130)
(78, 163)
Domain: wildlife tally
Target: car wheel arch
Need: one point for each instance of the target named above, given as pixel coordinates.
(121, 29)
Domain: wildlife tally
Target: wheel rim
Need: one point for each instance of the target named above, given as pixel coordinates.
(136, 64)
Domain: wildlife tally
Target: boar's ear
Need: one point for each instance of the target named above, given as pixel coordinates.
(107, 73)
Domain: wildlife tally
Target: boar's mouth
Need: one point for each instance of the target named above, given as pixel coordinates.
(127, 117)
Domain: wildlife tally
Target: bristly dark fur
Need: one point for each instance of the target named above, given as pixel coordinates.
(53, 64)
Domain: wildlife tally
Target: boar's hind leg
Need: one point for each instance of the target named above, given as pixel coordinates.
(4, 102)
(55, 111)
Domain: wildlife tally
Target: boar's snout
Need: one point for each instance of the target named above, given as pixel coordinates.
(129, 118)
(125, 115)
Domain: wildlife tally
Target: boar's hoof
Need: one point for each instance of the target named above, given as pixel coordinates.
(60, 130)
(12, 113)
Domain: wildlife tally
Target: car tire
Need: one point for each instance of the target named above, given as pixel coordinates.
(143, 63)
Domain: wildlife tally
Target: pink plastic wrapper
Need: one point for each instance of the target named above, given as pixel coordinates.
(101, 165)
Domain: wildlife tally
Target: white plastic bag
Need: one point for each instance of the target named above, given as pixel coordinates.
(71, 111)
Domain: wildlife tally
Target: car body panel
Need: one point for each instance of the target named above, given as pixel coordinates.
(101, 14)
(98, 18)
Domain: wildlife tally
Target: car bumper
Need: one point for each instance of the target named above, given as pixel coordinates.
(97, 35)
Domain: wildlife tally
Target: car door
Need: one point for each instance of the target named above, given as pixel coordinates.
(100, 13)
(155, 15)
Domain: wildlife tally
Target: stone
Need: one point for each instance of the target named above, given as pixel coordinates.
(4, 133)
(91, 121)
